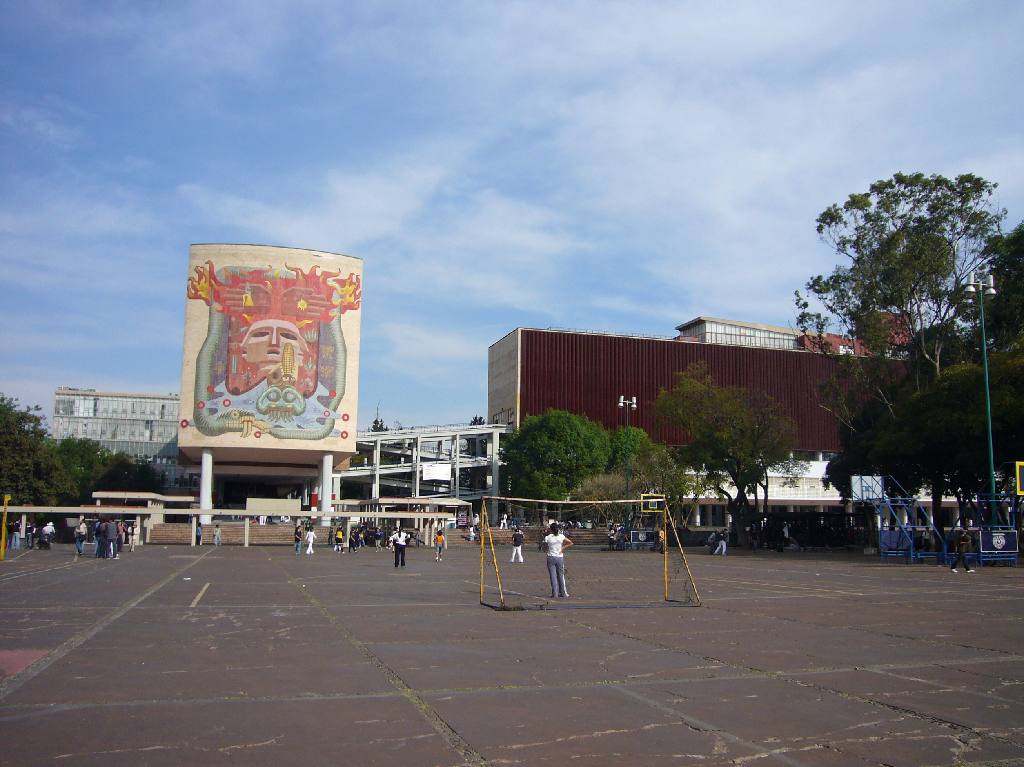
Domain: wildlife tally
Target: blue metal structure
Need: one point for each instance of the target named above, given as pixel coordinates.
(998, 540)
(907, 529)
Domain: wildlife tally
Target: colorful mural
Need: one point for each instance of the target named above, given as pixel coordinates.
(274, 359)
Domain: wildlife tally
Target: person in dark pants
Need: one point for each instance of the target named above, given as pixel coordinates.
(961, 540)
(398, 541)
(100, 535)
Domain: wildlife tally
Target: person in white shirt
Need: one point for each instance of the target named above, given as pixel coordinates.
(398, 540)
(310, 538)
(556, 544)
(504, 522)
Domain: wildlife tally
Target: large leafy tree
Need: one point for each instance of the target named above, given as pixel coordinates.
(124, 473)
(1006, 318)
(83, 460)
(30, 470)
(737, 437)
(626, 443)
(909, 245)
(553, 453)
(937, 437)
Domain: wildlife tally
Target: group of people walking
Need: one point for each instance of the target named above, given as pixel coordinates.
(109, 538)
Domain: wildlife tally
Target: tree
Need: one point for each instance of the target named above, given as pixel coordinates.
(912, 241)
(553, 453)
(378, 424)
(626, 443)
(124, 473)
(83, 461)
(29, 468)
(658, 470)
(1006, 320)
(737, 436)
(477, 420)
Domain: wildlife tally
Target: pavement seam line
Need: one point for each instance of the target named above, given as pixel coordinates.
(15, 681)
(702, 726)
(434, 719)
(199, 595)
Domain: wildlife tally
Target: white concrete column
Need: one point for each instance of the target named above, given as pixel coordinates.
(376, 469)
(245, 539)
(495, 488)
(457, 450)
(416, 467)
(696, 516)
(206, 486)
(192, 529)
(326, 483)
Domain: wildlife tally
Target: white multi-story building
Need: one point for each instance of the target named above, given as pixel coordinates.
(144, 426)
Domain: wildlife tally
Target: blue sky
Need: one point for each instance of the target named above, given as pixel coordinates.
(611, 166)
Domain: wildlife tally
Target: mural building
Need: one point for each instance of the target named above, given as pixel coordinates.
(271, 361)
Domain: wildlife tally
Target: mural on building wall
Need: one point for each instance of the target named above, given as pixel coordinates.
(274, 360)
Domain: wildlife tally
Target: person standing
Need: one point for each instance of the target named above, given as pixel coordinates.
(961, 540)
(216, 535)
(339, 538)
(199, 532)
(398, 541)
(723, 542)
(439, 542)
(30, 535)
(15, 535)
(504, 522)
(99, 537)
(298, 539)
(555, 543)
(517, 544)
(310, 539)
(81, 532)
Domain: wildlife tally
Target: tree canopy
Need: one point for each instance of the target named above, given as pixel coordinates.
(30, 470)
(911, 243)
(737, 435)
(912, 407)
(553, 453)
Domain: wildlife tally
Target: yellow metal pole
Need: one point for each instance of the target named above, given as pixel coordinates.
(3, 534)
(483, 516)
(497, 572)
(686, 564)
(664, 545)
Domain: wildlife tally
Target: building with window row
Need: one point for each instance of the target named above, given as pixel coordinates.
(144, 426)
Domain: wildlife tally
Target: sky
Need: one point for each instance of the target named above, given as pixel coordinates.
(618, 167)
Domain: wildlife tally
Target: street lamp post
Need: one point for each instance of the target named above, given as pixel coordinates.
(627, 405)
(984, 285)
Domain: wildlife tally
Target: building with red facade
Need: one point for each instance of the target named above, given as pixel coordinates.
(531, 370)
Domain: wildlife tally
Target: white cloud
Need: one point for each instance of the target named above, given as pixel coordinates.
(40, 124)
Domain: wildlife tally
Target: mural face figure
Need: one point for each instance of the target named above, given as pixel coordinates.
(264, 342)
(273, 363)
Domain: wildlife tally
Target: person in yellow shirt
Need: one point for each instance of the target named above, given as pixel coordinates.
(439, 543)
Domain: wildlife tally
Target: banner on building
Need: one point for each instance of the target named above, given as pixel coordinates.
(437, 470)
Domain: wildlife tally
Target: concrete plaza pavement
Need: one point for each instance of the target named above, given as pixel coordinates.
(175, 655)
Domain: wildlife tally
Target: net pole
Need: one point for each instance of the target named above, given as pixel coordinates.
(664, 546)
(483, 516)
(494, 560)
(689, 575)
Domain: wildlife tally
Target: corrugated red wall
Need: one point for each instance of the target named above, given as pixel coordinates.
(586, 373)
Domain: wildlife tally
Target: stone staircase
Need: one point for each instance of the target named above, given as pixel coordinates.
(231, 534)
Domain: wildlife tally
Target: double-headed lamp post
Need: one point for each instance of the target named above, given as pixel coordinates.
(984, 285)
(627, 405)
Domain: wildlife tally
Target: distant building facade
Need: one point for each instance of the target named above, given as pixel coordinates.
(531, 370)
(143, 426)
